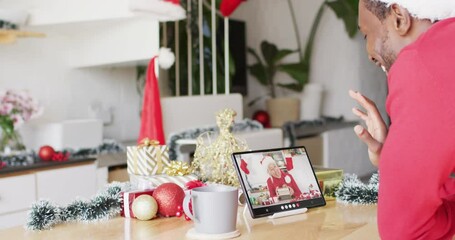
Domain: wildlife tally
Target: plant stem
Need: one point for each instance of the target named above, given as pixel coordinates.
(296, 28)
(314, 28)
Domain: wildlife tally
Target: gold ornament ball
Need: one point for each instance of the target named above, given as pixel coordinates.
(145, 207)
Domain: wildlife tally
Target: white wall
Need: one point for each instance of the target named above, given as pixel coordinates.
(338, 63)
(42, 67)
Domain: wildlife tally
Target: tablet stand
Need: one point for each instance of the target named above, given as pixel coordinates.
(274, 216)
(288, 213)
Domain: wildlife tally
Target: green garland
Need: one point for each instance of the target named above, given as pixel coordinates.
(354, 191)
(28, 157)
(106, 204)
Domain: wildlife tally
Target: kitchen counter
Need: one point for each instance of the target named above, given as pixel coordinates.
(334, 221)
(304, 129)
(42, 165)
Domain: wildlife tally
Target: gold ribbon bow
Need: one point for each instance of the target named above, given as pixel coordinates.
(146, 142)
(178, 168)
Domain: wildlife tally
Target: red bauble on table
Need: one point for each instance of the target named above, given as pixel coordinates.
(170, 198)
(263, 117)
(46, 153)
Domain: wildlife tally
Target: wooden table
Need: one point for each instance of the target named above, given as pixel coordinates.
(334, 221)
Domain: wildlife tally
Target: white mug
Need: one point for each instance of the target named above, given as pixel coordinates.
(214, 208)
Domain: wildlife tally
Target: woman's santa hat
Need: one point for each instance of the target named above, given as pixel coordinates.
(266, 161)
(424, 9)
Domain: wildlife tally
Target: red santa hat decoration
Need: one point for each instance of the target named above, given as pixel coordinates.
(151, 115)
(227, 7)
(424, 9)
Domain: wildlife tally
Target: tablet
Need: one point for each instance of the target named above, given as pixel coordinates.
(277, 180)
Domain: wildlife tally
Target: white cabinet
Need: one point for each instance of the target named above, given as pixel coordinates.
(61, 186)
(94, 33)
(339, 148)
(16, 195)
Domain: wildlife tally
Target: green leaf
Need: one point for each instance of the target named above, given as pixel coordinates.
(346, 10)
(282, 54)
(269, 51)
(258, 71)
(255, 100)
(298, 71)
(291, 86)
(255, 55)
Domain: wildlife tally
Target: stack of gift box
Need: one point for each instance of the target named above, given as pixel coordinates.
(329, 180)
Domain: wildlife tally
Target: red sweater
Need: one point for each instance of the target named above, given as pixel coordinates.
(416, 193)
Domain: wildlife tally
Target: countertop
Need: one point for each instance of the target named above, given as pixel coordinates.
(42, 165)
(334, 221)
(303, 129)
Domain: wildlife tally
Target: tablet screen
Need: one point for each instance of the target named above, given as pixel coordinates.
(276, 180)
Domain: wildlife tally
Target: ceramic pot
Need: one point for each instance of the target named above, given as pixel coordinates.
(282, 110)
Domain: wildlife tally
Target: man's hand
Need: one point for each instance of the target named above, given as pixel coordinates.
(376, 131)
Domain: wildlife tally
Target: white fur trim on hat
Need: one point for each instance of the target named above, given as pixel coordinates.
(162, 10)
(425, 9)
(266, 161)
(166, 58)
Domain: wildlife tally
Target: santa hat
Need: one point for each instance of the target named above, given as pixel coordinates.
(163, 10)
(151, 115)
(227, 7)
(425, 9)
(266, 161)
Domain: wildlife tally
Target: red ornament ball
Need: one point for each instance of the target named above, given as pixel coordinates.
(169, 197)
(263, 117)
(46, 152)
(178, 214)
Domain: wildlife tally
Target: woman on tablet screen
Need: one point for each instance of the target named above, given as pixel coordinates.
(281, 185)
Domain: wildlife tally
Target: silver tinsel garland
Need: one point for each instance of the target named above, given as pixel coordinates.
(106, 204)
(354, 191)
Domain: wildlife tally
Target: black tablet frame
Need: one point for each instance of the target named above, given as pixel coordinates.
(276, 208)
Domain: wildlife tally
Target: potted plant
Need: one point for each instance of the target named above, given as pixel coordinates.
(282, 109)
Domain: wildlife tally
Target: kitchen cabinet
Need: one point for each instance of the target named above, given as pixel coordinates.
(59, 185)
(96, 33)
(63, 185)
(339, 148)
(16, 195)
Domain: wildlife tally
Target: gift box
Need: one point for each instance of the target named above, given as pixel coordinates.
(156, 180)
(147, 159)
(329, 180)
(128, 199)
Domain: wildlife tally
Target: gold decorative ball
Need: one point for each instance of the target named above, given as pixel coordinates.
(145, 207)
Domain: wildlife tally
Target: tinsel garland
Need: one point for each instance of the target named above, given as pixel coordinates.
(30, 156)
(106, 204)
(241, 126)
(354, 191)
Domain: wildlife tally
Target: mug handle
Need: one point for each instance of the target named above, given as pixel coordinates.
(186, 207)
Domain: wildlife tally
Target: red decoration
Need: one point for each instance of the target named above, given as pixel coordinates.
(2, 164)
(151, 116)
(128, 198)
(173, 1)
(243, 166)
(289, 163)
(227, 7)
(169, 197)
(60, 156)
(263, 117)
(194, 184)
(46, 153)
